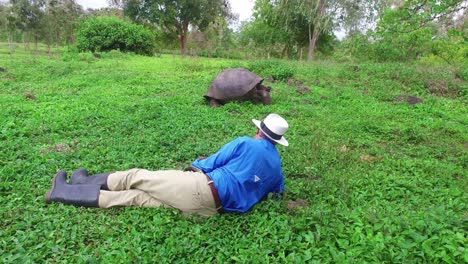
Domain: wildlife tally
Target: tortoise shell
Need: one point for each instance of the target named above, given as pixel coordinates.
(233, 84)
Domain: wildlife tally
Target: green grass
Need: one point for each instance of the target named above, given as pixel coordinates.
(383, 181)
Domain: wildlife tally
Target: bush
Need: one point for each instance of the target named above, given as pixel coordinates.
(451, 48)
(110, 33)
(279, 70)
(356, 46)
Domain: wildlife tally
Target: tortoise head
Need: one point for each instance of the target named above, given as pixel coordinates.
(263, 94)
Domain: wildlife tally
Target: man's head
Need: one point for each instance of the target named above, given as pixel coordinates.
(273, 127)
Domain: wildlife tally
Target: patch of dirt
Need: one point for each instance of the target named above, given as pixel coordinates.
(370, 158)
(365, 91)
(30, 96)
(97, 55)
(324, 97)
(295, 205)
(293, 112)
(457, 177)
(294, 82)
(303, 90)
(311, 177)
(291, 81)
(344, 149)
(440, 88)
(9, 76)
(2, 69)
(353, 68)
(458, 76)
(59, 148)
(269, 79)
(412, 100)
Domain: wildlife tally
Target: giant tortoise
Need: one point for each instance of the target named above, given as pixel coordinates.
(237, 85)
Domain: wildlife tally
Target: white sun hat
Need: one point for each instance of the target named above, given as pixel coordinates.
(274, 127)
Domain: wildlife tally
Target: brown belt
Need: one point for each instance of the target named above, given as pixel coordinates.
(217, 201)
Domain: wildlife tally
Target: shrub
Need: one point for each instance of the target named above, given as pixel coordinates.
(110, 33)
(451, 48)
(275, 68)
(358, 46)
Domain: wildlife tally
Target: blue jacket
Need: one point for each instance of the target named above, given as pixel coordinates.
(244, 171)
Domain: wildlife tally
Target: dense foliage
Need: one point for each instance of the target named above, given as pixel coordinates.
(416, 30)
(111, 33)
(50, 22)
(175, 17)
(217, 40)
(287, 29)
(370, 178)
(276, 69)
(380, 30)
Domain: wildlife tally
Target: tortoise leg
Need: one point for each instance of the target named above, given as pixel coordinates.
(214, 103)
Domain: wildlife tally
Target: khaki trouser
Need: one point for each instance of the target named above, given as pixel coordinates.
(185, 190)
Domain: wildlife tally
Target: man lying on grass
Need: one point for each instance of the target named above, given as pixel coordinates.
(234, 179)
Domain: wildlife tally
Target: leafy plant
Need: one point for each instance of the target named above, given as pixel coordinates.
(277, 69)
(111, 33)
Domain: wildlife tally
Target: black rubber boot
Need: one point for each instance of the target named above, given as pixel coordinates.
(80, 176)
(86, 195)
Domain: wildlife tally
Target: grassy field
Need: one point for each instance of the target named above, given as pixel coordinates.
(369, 176)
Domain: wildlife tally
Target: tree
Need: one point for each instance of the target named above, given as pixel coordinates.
(177, 17)
(214, 41)
(4, 10)
(265, 33)
(263, 37)
(301, 22)
(61, 19)
(411, 15)
(416, 28)
(358, 16)
(315, 14)
(28, 17)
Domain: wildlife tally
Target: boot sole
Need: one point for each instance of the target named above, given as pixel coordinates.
(49, 192)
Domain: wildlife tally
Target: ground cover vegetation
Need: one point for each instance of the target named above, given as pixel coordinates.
(376, 170)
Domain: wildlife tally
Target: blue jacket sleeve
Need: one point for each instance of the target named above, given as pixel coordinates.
(280, 188)
(278, 192)
(219, 159)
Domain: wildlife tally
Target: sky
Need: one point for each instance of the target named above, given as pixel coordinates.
(241, 7)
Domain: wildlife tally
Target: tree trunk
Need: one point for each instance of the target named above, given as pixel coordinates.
(36, 40)
(10, 42)
(285, 52)
(313, 36)
(26, 41)
(48, 49)
(183, 48)
(312, 41)
(183, 39)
